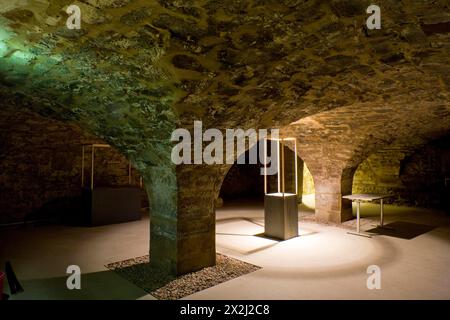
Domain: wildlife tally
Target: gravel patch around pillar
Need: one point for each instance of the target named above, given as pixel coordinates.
(164, 287)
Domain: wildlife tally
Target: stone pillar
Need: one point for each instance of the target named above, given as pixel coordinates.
(182, 217)
(161, 184)
(330, 187)
(197, 190)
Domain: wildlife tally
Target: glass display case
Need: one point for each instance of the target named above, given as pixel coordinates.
(280, 205)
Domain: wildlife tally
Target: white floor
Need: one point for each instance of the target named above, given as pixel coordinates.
(40, 257)
(325, 262)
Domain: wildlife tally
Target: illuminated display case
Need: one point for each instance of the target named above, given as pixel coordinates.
(280, 207)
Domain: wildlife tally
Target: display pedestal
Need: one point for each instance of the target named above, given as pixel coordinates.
(281, 215)
(107, 205)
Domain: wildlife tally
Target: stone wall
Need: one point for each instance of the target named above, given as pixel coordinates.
(40, 165)
(380, 173)
(308, 181)
(416, 178)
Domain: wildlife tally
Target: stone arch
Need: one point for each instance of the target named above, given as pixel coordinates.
(382, 170)
(335, 143)
(259, 166)
(132, 114)
(41, 167)
(96, 77)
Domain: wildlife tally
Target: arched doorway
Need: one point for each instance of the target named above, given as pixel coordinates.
(240, 209)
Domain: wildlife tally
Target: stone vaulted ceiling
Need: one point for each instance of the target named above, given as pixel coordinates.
(137, 69)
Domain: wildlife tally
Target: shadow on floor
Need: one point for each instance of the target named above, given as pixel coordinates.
(402, 230)
(301, 233)
(238, 219)
(103, 285)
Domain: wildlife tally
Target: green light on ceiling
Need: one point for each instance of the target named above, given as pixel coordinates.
(3, 49)
(4, 34)
(57, 58)
(21, 57)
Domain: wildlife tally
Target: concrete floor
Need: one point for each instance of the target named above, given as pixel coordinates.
(40, 256)
(323, 263)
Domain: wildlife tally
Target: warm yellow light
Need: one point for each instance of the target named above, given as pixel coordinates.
(280, 164)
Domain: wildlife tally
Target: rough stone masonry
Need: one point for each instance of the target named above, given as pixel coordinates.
(136, 70)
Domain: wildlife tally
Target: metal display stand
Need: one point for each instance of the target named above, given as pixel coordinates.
(108, 205)
(280, 208)
(358, 198)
